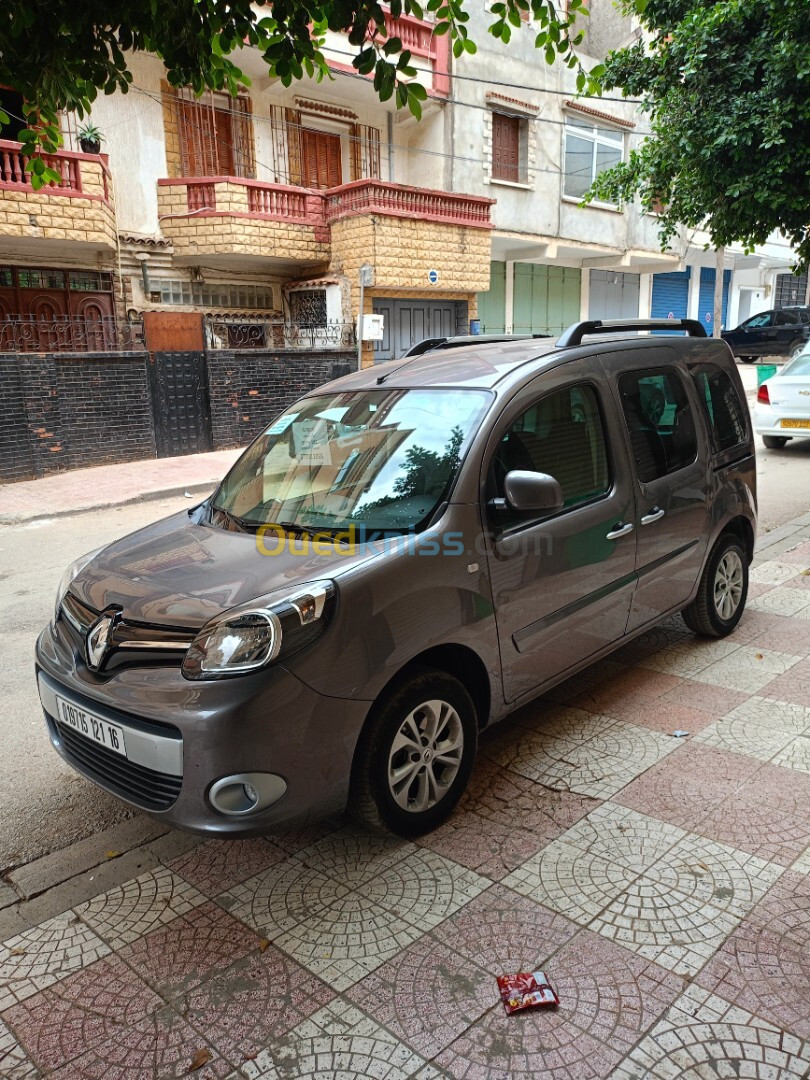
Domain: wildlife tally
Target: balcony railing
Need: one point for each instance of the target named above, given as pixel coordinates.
(259, 332)
(68, 333)
(14, 172)
(378, 197)
(282, 202)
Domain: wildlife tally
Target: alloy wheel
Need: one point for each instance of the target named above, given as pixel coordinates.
(728, 585)
(425, 756)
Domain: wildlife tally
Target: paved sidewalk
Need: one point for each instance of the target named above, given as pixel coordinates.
(662, 883)
(112, 485)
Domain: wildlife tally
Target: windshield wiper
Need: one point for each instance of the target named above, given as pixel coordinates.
(240, 523)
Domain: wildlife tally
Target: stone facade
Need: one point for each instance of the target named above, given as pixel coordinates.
(232, 228)
(85, 217)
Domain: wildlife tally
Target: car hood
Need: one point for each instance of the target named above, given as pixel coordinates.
(178, 573)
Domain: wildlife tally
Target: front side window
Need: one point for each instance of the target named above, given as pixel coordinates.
(589, 150)
(757, 322)
(660, 422)
(378, 460)
(725, 409)
(561, 435)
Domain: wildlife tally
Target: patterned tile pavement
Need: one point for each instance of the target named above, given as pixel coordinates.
(663, 884)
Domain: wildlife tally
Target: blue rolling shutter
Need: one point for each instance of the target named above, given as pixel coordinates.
(706, 298)
(670, 295)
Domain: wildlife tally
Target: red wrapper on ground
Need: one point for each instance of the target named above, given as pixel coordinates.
(526, 990)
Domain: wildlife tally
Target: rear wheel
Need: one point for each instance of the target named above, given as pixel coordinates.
(775, 442)
(722, 592)
(415, 755)
(748, 359)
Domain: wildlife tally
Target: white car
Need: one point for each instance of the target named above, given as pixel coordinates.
(782, 411)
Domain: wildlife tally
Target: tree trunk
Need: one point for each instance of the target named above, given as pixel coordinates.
(719, 273)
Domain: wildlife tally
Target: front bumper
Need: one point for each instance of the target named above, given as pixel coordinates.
(183, 737)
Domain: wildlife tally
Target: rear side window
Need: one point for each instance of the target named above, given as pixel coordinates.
(786, 318)
(560, 435)
(660, 421)
(725, 409)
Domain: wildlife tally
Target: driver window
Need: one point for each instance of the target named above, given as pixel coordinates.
(756, 322)
(561, 435)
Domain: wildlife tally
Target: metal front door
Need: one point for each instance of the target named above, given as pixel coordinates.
(562, 585)
(409, 321)
(181, 408)
(672, 484)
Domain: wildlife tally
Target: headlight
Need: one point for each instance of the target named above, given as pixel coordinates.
(250, 637)
(70, 575)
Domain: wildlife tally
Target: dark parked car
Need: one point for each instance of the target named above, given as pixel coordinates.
(779, 332)
(398, 561)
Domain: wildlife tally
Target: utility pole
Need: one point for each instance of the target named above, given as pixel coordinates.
(719, 274)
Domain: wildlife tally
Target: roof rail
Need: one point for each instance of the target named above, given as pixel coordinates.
(577, 331)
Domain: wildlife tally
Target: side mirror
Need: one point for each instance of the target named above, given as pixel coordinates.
(526, 490)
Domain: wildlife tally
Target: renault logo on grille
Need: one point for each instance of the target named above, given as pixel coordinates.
(99, 639)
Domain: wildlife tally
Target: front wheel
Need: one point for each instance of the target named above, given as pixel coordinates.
(775, 442)
(723, 588)
(415, 755)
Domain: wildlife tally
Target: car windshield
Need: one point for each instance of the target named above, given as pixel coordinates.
(799, 365)
(380, 460)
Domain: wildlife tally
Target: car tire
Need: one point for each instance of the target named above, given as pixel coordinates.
(399, 789)
(722, 591)
(748, 359)
(775, 442)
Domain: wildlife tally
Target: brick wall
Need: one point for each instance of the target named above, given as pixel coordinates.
(249, 388)
(64, 412)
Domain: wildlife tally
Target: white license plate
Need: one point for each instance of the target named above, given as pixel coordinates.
(92, 727)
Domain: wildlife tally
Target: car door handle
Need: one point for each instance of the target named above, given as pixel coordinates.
(654, 515)
(619, 529)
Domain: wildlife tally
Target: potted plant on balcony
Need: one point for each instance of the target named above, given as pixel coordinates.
(90, 139)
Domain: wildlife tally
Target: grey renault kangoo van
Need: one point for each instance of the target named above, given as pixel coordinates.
(399, 560)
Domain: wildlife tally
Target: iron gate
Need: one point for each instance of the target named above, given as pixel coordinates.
(181, 407)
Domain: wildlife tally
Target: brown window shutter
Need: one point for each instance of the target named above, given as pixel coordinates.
(293, 117)
(505, 147)
(244, 154)
(321, 159)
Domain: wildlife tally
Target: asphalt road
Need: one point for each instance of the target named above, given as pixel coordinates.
(44, 806)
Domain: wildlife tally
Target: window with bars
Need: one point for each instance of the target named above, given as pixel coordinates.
(306, 156)
(589, 150)
(509, 136)
(308, 307)
(215, 135)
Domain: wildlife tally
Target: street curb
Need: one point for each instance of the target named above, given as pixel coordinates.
(202, 488)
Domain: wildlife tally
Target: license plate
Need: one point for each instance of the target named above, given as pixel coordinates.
(796, 423)
(92, 727)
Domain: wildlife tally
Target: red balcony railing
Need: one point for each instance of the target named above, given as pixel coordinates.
(282, 202)
(379, 197)
(15, 175)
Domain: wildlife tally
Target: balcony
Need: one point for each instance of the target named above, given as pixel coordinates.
(73, 214)
(229, 219)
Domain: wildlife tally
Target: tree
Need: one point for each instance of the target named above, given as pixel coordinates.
(726, 88)
(60, 53)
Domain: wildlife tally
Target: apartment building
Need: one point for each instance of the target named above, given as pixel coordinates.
(521, 135)
(260, 210)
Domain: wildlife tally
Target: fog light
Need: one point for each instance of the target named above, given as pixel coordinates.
(246, 793)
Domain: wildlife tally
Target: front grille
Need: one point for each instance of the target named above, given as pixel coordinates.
(145, 787)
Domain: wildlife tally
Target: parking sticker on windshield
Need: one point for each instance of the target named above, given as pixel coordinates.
(278, 427)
